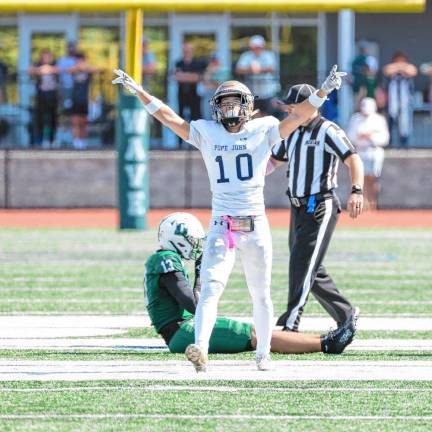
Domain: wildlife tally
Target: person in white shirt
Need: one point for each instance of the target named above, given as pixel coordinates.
(236, 151)
(368, 131)
(258, 67)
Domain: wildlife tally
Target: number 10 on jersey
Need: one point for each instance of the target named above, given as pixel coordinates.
(243, 172)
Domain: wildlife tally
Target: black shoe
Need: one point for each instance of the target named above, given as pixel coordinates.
(335, 341)
(353, 317)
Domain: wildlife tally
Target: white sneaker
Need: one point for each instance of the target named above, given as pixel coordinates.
(197, 357)
(263, 362)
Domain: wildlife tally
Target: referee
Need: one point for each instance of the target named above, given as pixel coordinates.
(313, 152)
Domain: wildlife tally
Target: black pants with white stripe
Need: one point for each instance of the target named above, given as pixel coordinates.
(310, 235)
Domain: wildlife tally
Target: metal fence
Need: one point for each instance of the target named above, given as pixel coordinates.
(17, 121)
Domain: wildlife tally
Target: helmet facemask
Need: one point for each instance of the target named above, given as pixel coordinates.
(194, 245)
(238, 112)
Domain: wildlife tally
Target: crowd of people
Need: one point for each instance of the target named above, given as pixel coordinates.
(62, 87)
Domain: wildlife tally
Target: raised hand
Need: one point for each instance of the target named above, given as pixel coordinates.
(333, 81)
(126, 81)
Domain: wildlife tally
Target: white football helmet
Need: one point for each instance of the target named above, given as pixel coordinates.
(231, 118)
(182, 233)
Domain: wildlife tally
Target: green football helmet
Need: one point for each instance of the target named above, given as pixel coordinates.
(182, 233)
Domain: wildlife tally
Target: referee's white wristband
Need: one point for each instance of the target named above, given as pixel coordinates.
(315, 100)
(155, 105)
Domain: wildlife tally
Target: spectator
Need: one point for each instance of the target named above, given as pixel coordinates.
(214, 75)
(399, 76)
(148, 62)
(426, 69)
(188, 73)
(81, 73)
(258, 67)
(46, 73)
(364, 70)
(368, 131)
(3, 77)
(66, 80)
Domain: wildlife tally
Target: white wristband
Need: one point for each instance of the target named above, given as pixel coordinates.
(315, 100)
(155, 105)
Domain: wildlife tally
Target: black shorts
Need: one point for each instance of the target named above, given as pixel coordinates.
(79, 108)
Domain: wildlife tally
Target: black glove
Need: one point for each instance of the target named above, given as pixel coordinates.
(197, 282)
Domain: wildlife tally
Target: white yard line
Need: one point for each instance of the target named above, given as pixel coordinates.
(152, 344)
(25, 370)
(141, 344)
(75, 289)
(245, 417)
(246, 301)
(49, 326)
(220, 389)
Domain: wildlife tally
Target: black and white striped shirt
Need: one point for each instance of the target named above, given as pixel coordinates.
(313, 154)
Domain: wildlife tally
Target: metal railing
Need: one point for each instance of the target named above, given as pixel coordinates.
(17, 121)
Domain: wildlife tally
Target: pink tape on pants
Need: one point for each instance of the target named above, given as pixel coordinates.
(229, 234)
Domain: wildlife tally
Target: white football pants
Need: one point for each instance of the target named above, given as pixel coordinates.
(255, 250)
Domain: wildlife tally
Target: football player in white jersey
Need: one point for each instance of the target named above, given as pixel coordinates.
(236, 151)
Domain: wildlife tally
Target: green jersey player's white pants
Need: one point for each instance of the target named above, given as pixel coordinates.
(255, 250)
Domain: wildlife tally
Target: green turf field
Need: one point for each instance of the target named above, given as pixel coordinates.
(387, 273)
(100, 271)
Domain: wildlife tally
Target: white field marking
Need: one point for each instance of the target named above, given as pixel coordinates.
(230, 370)
(348, 271)
(63, 278)
(357, 302)
(140, 344)
(71, 289)
(43, 325)
(368, 283)
(9, 334)
(222, 302)
(245, 417)
(153, 344)
(390, 345)
(54, 261)
(221, 389)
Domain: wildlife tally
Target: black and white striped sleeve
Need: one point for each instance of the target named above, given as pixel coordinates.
(337, 143)
(279, 151)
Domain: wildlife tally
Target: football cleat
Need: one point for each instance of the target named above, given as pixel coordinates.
(197, 357)
(335, 341)
(263, 362)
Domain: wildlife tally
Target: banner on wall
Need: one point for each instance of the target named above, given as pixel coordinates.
(132, 136)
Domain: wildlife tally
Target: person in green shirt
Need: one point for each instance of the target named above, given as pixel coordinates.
(171, 299)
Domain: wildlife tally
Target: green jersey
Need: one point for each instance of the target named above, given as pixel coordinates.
(162, 307)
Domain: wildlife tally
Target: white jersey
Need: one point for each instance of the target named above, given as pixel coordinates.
(236, 162)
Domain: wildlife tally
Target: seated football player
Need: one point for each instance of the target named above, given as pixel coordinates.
(171, 300)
